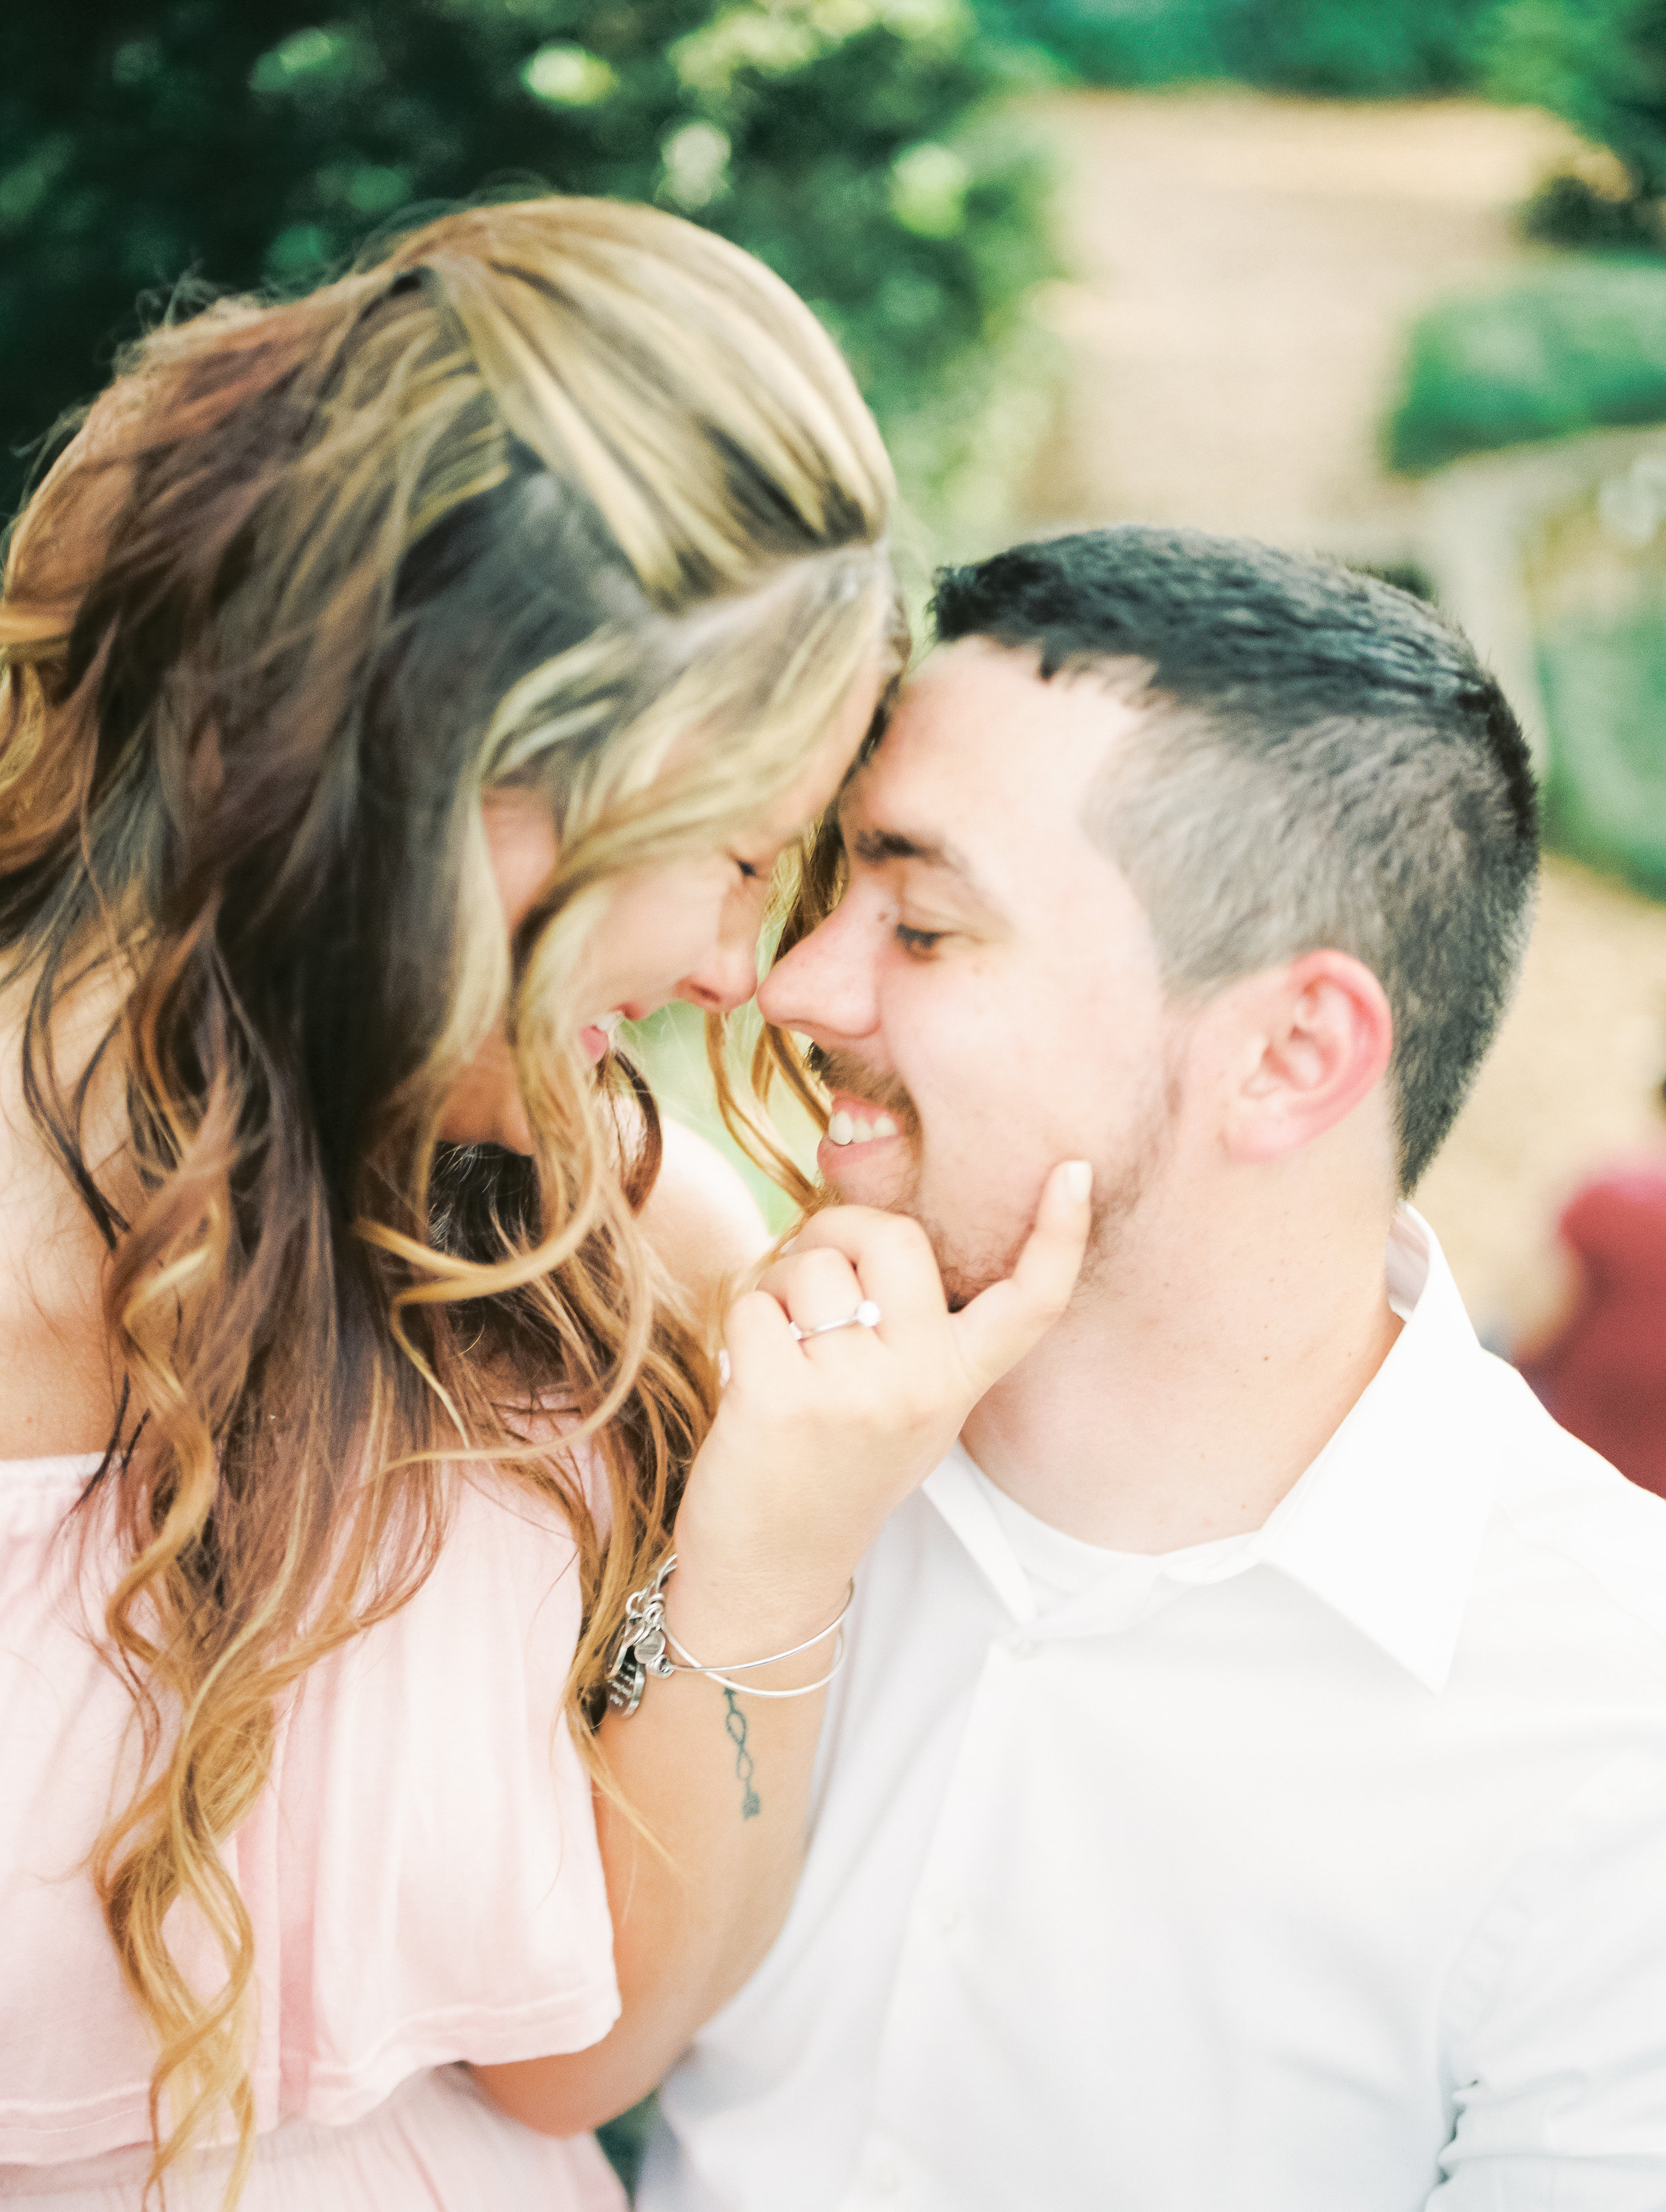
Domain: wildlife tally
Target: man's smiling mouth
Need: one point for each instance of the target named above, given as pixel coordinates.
(843, 1128)
(863, 1108)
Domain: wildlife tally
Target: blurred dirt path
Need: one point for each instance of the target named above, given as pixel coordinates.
(1246, 270)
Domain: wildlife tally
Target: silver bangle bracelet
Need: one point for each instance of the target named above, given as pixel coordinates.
(645, 1645)
(751, 1689)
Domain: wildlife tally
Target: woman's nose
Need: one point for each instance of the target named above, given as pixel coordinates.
(725, 979)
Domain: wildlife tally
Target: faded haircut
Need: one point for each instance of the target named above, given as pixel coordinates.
(1327, 764)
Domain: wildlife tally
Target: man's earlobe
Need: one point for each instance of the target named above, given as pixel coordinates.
(1318, 1038)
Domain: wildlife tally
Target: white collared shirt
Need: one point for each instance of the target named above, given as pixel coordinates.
(1321, 1870)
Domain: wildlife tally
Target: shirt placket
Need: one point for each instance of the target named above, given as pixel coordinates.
(894, 2172)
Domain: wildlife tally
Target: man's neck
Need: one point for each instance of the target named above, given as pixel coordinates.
(1193, 1380)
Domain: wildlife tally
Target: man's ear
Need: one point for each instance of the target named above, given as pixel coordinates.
(1312, 1040)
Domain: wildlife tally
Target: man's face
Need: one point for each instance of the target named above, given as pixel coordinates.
(987, 992)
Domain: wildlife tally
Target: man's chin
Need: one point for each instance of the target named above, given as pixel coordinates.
(962, 1280)
(885, 1175)
(966, 1273)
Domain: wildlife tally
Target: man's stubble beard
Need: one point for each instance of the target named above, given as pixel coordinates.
(968, 1269)
(967, 1274)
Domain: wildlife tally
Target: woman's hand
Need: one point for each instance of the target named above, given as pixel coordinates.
(818, 1439)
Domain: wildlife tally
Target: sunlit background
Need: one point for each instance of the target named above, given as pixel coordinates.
(1384, 280)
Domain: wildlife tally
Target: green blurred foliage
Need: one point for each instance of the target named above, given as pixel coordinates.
(625, 2139)
(1599, 63)
(1366, 49)
(851, 143)
(1571, 210)
(1581, 346)
(1592, 567)
(1606, 793)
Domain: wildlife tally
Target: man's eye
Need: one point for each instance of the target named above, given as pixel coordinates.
(919, 940)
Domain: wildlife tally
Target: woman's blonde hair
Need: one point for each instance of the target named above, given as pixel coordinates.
(550, 487)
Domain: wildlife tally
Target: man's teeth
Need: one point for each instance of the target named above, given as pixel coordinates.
(856, 1129)
(607, 1023)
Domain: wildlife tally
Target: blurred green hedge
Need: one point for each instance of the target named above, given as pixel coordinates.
(1368, 49)
(1600, 65)
(1582, 346)
(850, 142)
(1605, 793)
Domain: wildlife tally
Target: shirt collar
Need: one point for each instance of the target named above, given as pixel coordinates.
(1385, 1526)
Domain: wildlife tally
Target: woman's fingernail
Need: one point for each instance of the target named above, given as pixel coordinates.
(1079, 1178)
(722, 1369)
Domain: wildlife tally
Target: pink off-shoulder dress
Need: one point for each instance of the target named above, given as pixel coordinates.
(421, 1870)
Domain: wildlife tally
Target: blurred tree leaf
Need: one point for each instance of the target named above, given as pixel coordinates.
(1362, 49)
(244, 142)
(1600, 65)
(1580, 347)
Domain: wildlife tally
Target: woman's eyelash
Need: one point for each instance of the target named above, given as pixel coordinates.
(918, 941)
(748, 871)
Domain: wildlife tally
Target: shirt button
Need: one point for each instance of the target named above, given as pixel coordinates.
(884, 2179)
(1022, 1648)
(948, 1918)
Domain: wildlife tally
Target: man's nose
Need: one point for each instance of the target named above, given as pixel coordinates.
(824, 985)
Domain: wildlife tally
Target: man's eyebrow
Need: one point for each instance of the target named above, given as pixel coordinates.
(873, 848)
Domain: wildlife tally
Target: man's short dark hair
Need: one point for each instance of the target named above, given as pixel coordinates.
(1328, 764)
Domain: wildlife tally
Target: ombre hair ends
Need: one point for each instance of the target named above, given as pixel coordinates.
(551, 488)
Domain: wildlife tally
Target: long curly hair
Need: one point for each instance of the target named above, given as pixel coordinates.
(549, 487)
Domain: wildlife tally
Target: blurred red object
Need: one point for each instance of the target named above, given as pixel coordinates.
(1603, 1372)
